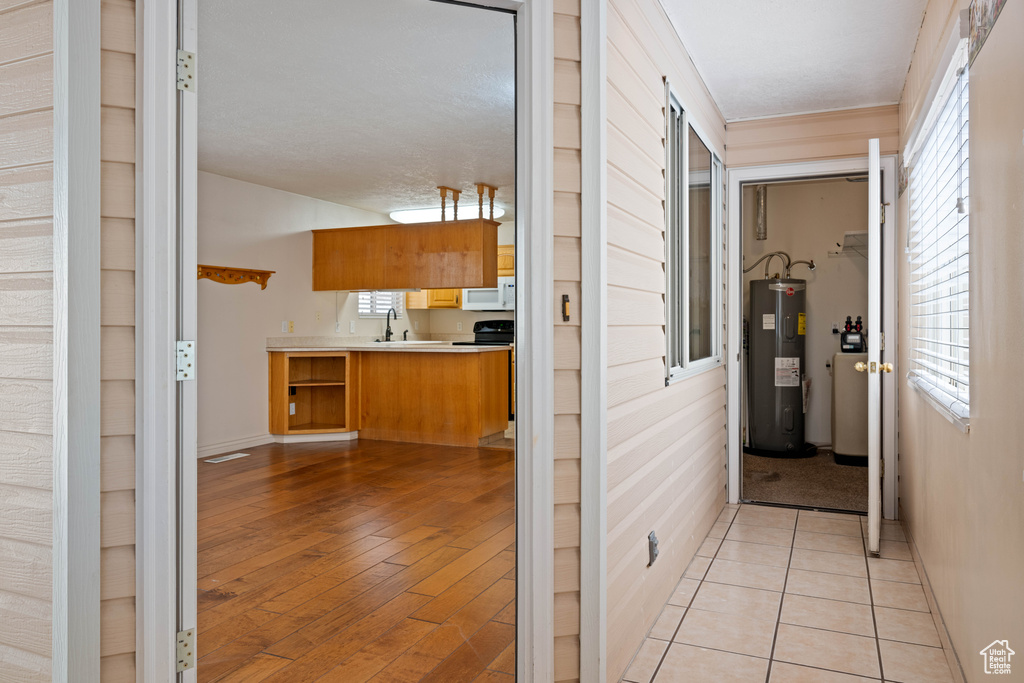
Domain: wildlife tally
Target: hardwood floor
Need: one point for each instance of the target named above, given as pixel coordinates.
(361, 561)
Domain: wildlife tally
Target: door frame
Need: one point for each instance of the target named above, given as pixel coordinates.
(737, 177)
(161, 403)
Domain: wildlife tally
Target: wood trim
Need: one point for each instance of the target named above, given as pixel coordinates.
(76, 341)
(593, 594)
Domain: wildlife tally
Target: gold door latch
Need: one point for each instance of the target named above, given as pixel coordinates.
(860, 367)
(885, 367)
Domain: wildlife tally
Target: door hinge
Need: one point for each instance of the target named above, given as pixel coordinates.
(881, 213)
(186, 650)
(185, 351)
(881, 346)
(186, 71)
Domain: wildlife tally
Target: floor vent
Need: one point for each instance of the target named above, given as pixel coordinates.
(225, 458)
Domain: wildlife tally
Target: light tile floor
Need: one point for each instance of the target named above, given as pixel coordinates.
(777, 595)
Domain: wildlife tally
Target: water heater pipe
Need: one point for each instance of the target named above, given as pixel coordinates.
(762, 213)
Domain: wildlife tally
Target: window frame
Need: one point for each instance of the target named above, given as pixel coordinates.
(397, 297)
(678, 366)
(936, 391)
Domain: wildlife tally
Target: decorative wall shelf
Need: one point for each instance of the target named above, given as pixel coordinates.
(235, 276)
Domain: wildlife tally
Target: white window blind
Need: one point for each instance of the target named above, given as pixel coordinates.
(938, 244)
(377, 304)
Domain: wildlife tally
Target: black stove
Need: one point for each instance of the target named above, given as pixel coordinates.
(491, 333)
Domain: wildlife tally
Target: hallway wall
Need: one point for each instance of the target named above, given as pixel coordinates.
(26, 340)
(961, 495)
(666, 445)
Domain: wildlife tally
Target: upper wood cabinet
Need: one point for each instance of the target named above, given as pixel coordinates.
(434, 298)
(447, 255)
(506, 260)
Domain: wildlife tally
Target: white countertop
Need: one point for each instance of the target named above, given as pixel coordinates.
(293, 344)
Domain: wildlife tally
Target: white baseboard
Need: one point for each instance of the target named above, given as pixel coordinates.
(233, 445)
(310, 438)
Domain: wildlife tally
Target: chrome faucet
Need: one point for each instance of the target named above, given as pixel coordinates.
(387, 331)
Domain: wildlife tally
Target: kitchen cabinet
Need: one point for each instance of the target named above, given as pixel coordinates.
(445, 255)
(444, 298)
(313, 392)
(506, 260)
(434, 298)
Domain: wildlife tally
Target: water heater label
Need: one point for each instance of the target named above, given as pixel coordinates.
(801, 324)
(787, 372)
(768, 321)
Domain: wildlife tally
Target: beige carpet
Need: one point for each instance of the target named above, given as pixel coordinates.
(812, 482)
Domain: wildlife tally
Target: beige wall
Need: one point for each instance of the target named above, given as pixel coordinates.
(806, 137)
(666, 445)
(806, 220)
(26, 339)
(567, 341)
(251, 226)
(961, 495)
(117, 355)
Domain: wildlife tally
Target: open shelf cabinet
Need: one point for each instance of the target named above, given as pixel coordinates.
(313, 392)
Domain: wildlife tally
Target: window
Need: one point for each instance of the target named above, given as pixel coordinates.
(377, 304)
(938, 243)
(694, 248)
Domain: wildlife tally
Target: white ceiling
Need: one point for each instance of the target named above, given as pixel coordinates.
(776, 57)
(369, 103)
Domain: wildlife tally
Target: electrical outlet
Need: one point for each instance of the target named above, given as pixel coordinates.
(337, 327)
(291, 326)
(351, 326)
(652, 548)
(458, 326)
(291, 408)
(835, 328)
(284, 325)
(416, 326)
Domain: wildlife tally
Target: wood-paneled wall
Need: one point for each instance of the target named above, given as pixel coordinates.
(806, 137)
(666, 445)
(26, 339)
(117, 355)
(567, 340)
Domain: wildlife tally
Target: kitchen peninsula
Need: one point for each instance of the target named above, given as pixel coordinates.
(418, 392)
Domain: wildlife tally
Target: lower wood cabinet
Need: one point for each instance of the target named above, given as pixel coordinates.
(313, 392)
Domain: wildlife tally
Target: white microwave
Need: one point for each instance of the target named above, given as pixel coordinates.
(500, 298)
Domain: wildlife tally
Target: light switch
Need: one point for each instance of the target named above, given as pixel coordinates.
(291, 408)
(351, 326)
(284, 325)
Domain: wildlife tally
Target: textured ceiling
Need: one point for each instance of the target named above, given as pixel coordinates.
(370, 103)
(776, 57)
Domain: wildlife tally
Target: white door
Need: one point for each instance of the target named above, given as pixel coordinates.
(874, 366)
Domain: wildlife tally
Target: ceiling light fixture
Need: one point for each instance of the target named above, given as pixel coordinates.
(433, 214)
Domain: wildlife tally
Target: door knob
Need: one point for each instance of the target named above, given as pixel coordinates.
(886, 367)
(860, 367)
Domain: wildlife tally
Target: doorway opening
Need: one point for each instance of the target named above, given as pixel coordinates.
(798, 406)
(363, 523)
(806, 281)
